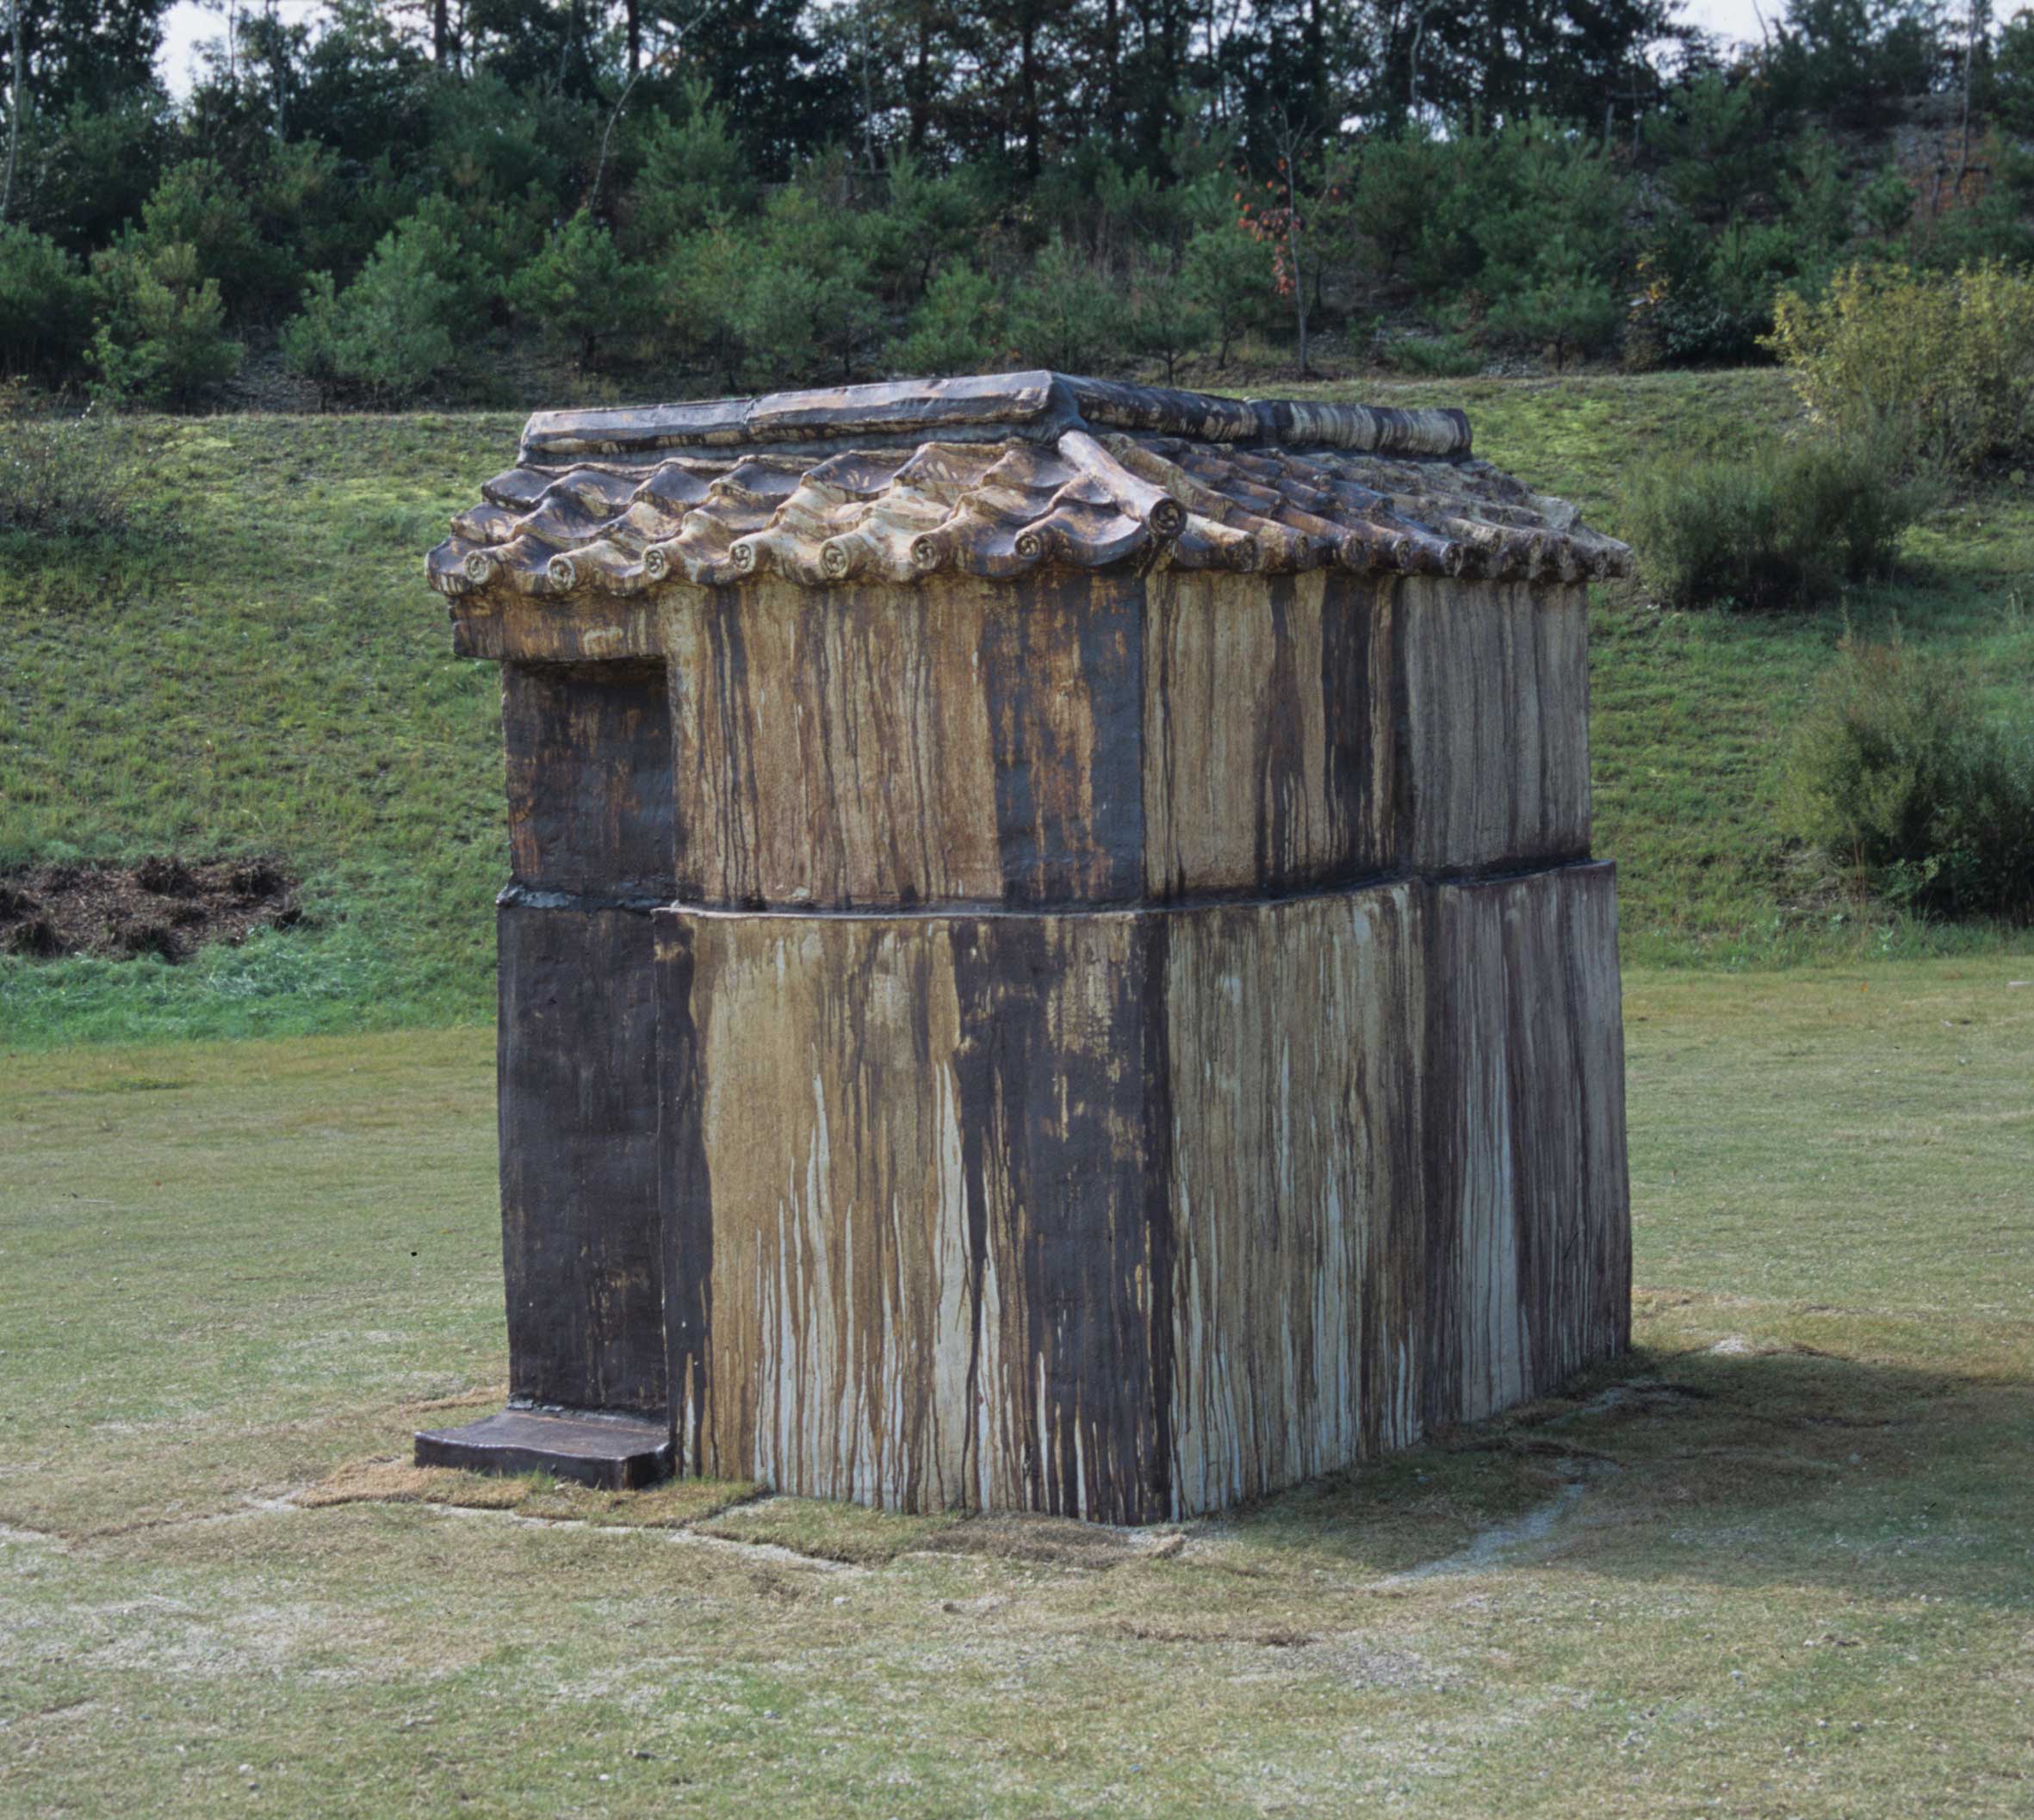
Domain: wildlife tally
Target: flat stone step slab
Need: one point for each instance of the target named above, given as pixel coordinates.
(614, 1452)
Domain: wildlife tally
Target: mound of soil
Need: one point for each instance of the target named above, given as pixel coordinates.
(164, 906)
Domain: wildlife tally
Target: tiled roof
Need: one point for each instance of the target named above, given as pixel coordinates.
(996, 477)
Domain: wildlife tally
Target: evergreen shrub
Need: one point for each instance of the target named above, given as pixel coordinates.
(1898, 774)
(390, 333)
(1785, 525)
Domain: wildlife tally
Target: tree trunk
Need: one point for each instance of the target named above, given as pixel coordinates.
(14, 112)
(1112, 57)
(441, 32)
(1300, 298)
(1419, 31)
(920, 98)
(1028, 97)
(1295, 247)
(635, 29)
(279, 49)
(574, 25)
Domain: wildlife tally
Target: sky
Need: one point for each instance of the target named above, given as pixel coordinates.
(190, 24)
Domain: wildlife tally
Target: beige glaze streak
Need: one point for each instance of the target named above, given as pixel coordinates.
(841, 1320)
(1543, 1221)
(597, 630)
(1491, 1341)
(1581, 948)
(843, 756)
(1497, 704)
(1239, 716)
(1294, 1035)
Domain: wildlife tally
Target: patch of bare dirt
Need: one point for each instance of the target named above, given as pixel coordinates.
(165, 906)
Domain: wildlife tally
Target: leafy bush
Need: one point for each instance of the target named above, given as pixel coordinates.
(700, 286)
(314, 219)
(1887, 203)
(492, 143)
(1715, 146)
(1545, 204)
(1708, 297)
(1785, 526)
(45, 304)
(161, 337)
(1897, 772)
(1943, 364)
(86, 172)
(1561, 305)
(957, 326)
(1396, 193)
(1851, 58)
(1530, 226)
(57, 475)
(198, 205)
(389, 333)
(928, 220)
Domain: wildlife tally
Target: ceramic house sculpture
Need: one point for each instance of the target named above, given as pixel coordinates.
(1053, 960)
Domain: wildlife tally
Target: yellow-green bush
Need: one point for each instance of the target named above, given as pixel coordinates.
(1941, 360)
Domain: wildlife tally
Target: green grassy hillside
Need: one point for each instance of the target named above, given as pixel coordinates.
(257, 668)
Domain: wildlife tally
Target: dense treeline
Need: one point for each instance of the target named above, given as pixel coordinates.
(396, 200)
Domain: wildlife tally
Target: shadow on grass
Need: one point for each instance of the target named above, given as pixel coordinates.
(1737, 1462)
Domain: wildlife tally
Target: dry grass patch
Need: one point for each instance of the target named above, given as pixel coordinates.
(828, 1532)
(401, 1481)
(675, 1504)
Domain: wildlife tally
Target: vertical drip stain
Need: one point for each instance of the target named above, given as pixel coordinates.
(685, 1202)
(1136, 1217)
(1157, 1433)
(1130, 1216)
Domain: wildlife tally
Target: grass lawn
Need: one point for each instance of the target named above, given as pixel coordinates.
(1781, 1561)
(258, 668)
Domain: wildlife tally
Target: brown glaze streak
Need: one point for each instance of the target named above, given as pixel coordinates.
(1495, 725)
(1528, 1247)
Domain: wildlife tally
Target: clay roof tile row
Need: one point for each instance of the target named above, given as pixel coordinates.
(999, 477)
